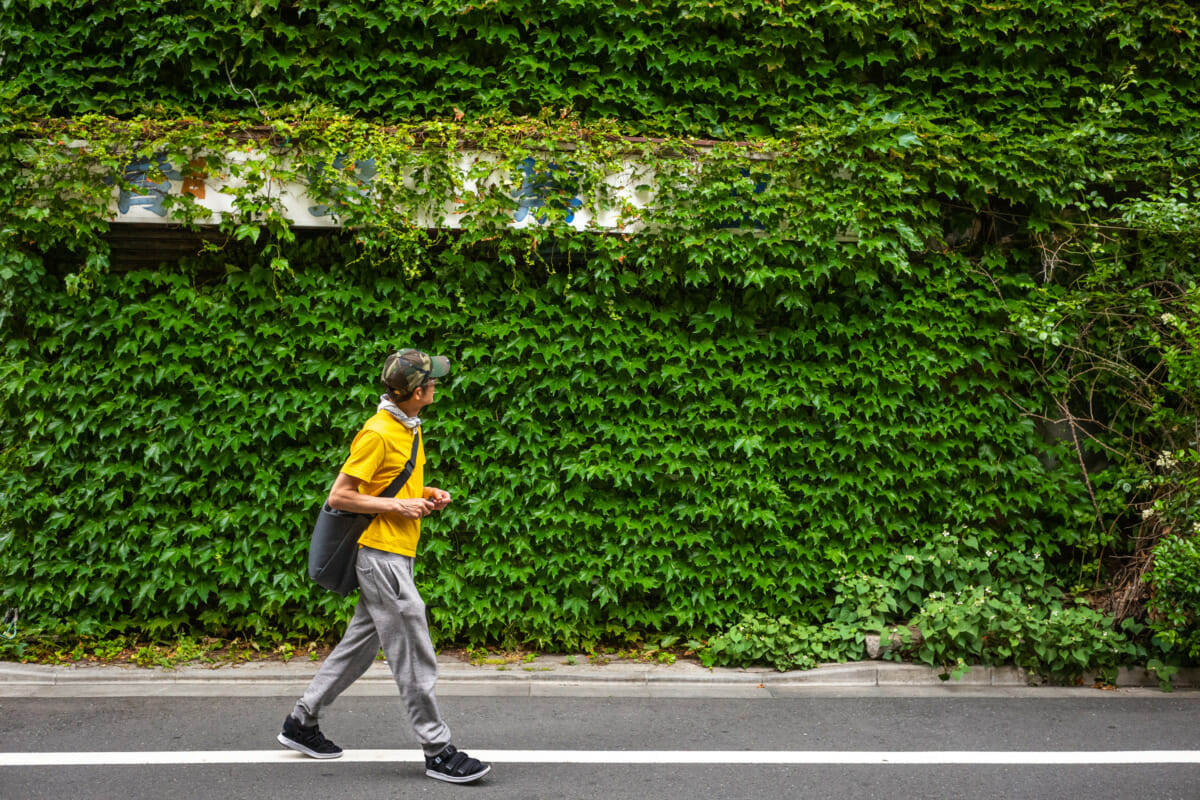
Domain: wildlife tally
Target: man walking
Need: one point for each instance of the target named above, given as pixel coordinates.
(390, 612)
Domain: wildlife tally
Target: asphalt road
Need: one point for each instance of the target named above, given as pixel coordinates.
(573, 729)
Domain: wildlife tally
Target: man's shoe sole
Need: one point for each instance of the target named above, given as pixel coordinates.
(299, 748)
(441, 776)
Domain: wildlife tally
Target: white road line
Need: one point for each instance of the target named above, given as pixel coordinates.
(624, 757)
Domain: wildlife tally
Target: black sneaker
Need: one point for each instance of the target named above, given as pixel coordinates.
(309, 741)
(455, 767)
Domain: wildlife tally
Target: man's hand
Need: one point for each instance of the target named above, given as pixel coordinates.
(412, 507)
(438, 497)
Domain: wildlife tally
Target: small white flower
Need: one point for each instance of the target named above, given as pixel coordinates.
(1169, 319)
(1147, 513)
(1167, 460)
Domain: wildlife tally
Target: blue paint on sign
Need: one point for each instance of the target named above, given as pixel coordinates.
(537, 185)
(146, 192)
(364, 172)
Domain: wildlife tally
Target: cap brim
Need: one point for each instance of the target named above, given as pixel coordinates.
(439, 366)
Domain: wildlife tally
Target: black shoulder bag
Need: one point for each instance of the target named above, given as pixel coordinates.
(333, 551)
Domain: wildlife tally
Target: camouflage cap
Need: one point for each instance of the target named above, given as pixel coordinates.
(405, 370)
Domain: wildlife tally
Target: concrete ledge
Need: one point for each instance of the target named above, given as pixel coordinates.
(548, 675)
(1140, 676)
(25, 673)
(865, 673)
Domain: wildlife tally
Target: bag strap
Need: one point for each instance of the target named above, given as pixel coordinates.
(401, 479)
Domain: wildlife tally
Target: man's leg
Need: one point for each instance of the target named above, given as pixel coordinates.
(386, 583)
(352, 656)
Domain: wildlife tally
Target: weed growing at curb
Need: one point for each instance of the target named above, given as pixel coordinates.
(184, 651)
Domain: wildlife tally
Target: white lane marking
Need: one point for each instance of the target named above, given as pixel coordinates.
(649, 757)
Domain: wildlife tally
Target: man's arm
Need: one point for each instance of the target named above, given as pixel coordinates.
(344, 496)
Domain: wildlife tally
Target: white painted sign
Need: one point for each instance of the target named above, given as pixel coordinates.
(142, 201)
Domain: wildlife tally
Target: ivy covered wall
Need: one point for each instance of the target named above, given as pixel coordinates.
(721, 404)
(723, 69)
(657, 459)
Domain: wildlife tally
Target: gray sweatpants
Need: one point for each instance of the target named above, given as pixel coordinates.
(391, 613)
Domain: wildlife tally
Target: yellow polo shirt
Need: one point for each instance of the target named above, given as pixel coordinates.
(377, 455)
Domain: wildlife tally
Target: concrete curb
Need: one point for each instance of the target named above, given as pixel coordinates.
(558, 670)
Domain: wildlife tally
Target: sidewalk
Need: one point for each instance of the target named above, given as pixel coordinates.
(548, 676)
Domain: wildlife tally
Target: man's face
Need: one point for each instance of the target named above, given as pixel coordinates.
(424, 394)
